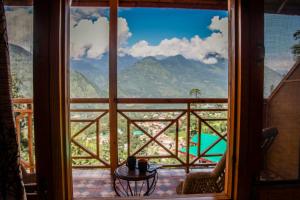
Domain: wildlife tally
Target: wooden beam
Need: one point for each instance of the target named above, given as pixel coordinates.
(170, 100)
(246, 88)
(18, 2)
(281, 6)
(193, 4)
(270, 7)
(49, 99)
(65, 98)
(113, 57)
(147, 100)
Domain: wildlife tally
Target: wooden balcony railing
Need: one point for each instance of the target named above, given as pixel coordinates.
(23, 110)
(165, 125)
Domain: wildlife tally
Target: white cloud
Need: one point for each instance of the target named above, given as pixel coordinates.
(90, 38)
(78, 14)
(123, 31)
(195, 48)
(20, 27)
(219, 24)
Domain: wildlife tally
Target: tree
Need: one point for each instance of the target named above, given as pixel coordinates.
(195, 92)
(16, 84)
(296, 47)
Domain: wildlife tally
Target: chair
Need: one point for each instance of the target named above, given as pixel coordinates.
(268, 137)
(204, 182)
(28, 177)
(30, 184)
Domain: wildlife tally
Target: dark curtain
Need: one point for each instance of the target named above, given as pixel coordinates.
(11, 186)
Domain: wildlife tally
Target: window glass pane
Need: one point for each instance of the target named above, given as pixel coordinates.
(89, 124)
(279, 42)
(20, 39)
(171, 52)
(89, 33)
(280, 145)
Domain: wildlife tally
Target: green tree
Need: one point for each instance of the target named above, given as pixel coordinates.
(296, 47)
(16, 84)
(195, 92)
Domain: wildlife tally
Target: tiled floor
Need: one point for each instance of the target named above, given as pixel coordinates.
(98, 183)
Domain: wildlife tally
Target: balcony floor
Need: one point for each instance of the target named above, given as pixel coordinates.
(91, 183)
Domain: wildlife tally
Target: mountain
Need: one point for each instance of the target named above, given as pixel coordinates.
(271, 80)
(124, 62)
(96, 70)
(93, 73)
(148, 77)
(21, 68)
(172, 77)
(81, 87)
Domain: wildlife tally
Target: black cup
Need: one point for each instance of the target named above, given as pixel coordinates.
(131, 162)
(143, 167)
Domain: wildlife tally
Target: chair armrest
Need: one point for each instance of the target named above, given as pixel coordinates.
(199, 182)
(179, 187)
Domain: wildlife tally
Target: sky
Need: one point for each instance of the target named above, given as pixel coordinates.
(158, 24)
(279, 30)
(196, 34)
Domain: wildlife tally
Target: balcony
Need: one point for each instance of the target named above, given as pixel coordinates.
(169, 132)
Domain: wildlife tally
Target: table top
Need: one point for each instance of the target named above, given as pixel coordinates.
(124, 173)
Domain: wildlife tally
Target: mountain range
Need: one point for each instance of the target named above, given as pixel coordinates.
(149, 77)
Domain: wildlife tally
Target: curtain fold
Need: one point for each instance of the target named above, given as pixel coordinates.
(11, 185)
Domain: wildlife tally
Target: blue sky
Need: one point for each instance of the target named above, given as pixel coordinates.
(279, 30)
(156, 24)
(194, 34)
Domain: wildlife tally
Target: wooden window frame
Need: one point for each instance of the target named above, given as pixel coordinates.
(51, 50)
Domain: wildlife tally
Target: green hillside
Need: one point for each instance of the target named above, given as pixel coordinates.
(172, 77)
(148, 77)
(81, 87)
(21, 68)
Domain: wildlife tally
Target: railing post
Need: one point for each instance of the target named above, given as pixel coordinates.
(97, 137)
(176, 139)
(188, 124)
(199, 137)
(18, 130)
(30, 139)
(128, 137)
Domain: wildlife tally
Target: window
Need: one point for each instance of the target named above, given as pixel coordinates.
(89, 33)
(171, 53)
(20, 31)
(89, 36)
(281, 93)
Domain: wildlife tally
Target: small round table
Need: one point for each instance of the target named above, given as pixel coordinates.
(131, 182)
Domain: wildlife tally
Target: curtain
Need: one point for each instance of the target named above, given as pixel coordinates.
(11, 185)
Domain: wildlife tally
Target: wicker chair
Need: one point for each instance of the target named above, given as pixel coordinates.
(204, 182)
(268, 137)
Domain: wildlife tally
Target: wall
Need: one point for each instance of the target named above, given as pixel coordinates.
(283, 112)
